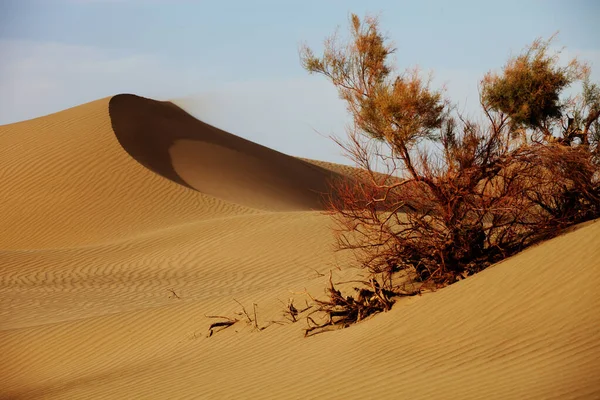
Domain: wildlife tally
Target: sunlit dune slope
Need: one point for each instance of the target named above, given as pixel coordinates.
(66, 179)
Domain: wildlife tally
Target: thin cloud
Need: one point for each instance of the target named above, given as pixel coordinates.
(38, 78)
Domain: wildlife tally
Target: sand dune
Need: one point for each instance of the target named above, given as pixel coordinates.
(174, 144)
(67, 181)
(109, 206)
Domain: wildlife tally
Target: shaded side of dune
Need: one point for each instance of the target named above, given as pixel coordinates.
(177, 146)
(66, 181)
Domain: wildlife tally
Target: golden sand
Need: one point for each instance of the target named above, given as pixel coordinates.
(125, 221)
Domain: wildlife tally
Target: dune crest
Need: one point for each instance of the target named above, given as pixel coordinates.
(172, 143)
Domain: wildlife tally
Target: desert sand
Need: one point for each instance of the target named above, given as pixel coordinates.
(125, 222)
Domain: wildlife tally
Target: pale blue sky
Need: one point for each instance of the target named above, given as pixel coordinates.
(235, 63)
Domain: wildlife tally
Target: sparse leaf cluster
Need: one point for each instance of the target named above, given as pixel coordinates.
(529, 88)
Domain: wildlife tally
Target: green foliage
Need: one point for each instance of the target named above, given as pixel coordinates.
(401, 109)
(529, 88)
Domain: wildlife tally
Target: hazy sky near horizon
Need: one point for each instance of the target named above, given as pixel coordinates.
(235, 63)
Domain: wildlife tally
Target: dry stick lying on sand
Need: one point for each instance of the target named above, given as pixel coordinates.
(318, 273)
(174, 294)
(223, 324)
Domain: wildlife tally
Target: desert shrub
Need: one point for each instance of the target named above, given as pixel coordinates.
(441, 196)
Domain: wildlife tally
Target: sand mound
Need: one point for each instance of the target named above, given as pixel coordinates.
(110, 262)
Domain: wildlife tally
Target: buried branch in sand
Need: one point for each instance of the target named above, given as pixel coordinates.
(344, 311)
(221, 324)
(230, 321)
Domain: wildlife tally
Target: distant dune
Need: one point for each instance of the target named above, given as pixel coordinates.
(125, 221)
(172, 143)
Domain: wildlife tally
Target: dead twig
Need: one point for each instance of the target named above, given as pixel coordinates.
(255, 318)
(221, 324)
(318, 273)
(244, 312)
(250, 320)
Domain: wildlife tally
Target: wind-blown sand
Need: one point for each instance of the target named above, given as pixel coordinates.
(108, 206)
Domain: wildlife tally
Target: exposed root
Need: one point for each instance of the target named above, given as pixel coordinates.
(291, 313)
(344, 311)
